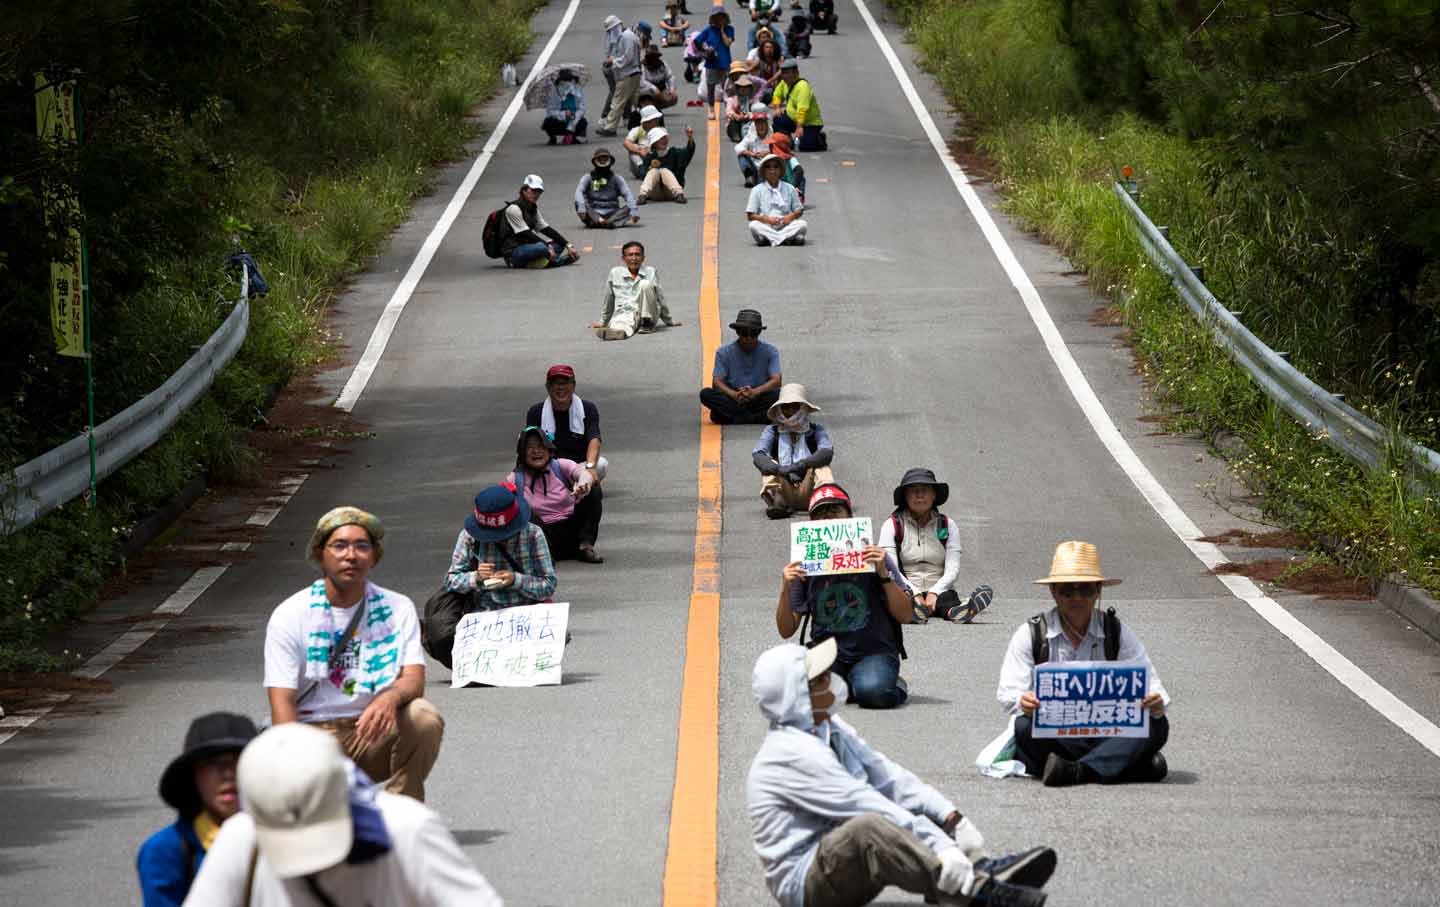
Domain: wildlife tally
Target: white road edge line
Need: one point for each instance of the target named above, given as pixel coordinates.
(1341, 668)
(380, 337)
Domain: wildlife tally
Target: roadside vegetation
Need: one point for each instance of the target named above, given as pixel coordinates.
(298, 130)
(1295, 155)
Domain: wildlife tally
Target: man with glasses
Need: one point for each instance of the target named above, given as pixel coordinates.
(344, 655)
(1074, 630)
(746, 379)
(573, 425)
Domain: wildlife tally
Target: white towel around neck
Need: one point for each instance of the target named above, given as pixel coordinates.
(577, 416)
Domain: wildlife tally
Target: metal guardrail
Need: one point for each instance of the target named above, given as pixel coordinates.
(1326, 414)
(63, 473)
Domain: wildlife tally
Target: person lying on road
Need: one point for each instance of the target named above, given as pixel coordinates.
(343, 654)
(199, 785)
(836, 822)
(745, 381)
(862, 611)
(633, 299)
(1074, 630)
(793, 454)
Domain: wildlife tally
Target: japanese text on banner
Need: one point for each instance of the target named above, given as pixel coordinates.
(825, 547)
(511, 647)
(1091, 699)
(56, 125)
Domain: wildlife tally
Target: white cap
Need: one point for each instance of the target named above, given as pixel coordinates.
(533, 181)
(611, 21)
(758, 107)
(294, 785)
(819, 658)
(656, 134)
(649, 112)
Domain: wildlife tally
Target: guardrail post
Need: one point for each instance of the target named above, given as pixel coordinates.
(1199, 272)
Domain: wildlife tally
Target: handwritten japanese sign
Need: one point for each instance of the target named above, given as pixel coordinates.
(831, 546)
(1091, 699)
(511, 647)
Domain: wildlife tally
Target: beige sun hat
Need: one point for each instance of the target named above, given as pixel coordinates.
(1076, 562)
(791, 393)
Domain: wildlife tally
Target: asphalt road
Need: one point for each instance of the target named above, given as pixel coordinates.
(1285, 787)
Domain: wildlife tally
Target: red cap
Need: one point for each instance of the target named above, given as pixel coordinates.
(560, 371)
(828, 494)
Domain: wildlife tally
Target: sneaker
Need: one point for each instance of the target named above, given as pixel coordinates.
(538, 263)
(971, 607)
(612, 334)
(647, 326)
(608, 133)
(680, 199)
(642, 198)
(1061, 772)
(990, 892)
(1031, 868)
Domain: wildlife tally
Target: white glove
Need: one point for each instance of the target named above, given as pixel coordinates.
(970, 840)
(956, 874)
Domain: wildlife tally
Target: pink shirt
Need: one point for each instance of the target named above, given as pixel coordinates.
(546, 494)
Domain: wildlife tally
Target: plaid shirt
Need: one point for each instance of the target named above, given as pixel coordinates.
(534, 581)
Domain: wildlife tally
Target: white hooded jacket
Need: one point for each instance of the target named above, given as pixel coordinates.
(806, 780)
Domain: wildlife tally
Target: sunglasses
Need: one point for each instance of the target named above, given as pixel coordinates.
(743, 333)
(1075, 590)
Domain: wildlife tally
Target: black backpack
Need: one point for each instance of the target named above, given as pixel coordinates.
(1040, 642)
(497, 230)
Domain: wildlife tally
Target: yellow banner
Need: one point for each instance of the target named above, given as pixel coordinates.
(55, 122)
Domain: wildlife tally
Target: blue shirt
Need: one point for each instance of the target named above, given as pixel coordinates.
(738, 368)
(710, 37)
(167, 864)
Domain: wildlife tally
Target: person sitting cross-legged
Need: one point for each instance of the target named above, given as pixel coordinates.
(746, 379)
(501, 556)
(1075, 630)
(633, 300)
(753, 147)
(665, 166)
(835, 821)
(602, 197)
(793, 454)
(774, 209)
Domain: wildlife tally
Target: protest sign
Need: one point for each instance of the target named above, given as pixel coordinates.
(1091, 699)
(511, 647)
(825, 547)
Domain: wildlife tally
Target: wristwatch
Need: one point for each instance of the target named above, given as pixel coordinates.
(588, 465)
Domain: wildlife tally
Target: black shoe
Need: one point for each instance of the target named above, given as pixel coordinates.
(552, 140)
(749, 182)
(647, 326)
(1061, 772)
(587, 555)
(990, 892)
(1149, 771)
(1031, 868)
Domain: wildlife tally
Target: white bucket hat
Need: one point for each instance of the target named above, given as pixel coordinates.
(656, 134)
(294, 785)
(791, 393)
(650, 112)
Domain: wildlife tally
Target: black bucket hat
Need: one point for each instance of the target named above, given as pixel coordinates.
(917, 475)
(749, 320)
(209, 735)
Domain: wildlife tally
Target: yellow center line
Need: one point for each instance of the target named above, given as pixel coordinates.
(690, 854)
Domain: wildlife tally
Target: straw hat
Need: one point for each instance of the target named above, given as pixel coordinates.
(791, 393)
(1076, 562)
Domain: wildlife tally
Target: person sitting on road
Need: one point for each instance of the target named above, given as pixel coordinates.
(316, 831)
(745, 381)
(774, 209)
(737, 106)
(501, 557)
(822, 15)
(529, 241)
(199, 784)
(862, 611)
(573, 424)
(713, 43)
(926, 547)
(633, 300)
(797, 35)
(565, 110)
(752, 148)
(763, 11)
(673, 26)
(794, 174)
(602, 197)
(1074, 630)
(665, 167)
(765, 62)
(836, 822)
(637, 143)
(764, 31)
(344, 655)
(793, 454)
(554, 487)
(657, 82)
(646, 33)
(797, 110)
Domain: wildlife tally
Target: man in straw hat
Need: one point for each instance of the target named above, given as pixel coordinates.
(316, 832)
(1074, 630)
(745, 381)
(836, 822)
(774, 209)
(793, 454)
(343, 654)
(200, 785)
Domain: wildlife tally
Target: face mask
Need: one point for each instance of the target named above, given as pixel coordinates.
(799, 422)
(841, 691)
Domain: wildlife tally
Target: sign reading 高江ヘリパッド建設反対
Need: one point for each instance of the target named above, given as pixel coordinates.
(511, 647)
(824, 547)
(1091, 699)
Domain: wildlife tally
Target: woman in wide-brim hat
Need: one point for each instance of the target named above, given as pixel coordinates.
(793, 454)
(501, 556)
(926, 545)
(200, 785)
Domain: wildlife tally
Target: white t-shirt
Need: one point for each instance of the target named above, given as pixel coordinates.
(285, 653)
(424, 868)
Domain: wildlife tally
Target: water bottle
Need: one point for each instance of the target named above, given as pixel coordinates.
(507, 74)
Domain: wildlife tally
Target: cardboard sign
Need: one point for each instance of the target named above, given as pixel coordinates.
(826, 547)
(1091, 699)
(511, 647)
